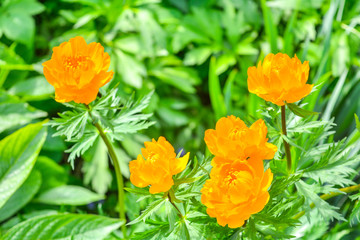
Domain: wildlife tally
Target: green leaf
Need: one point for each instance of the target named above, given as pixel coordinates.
(18, 27)
(64, 226)
(300, 111)
(96, 167)
(153, 207)
(326, 210)
(197, 56)
(357, 122)
(139, 191)
(270, 27)
(36, 88)
(54, 174)
(70, 124)
(18, 153)
(68, 195)
(216, 97)
(180, 77)
(30, 7)
(22, 196)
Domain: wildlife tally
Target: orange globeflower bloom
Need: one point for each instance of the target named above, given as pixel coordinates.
(158, 167)
(232, 140)
(235, 191)
(280, 79)
(77, 70)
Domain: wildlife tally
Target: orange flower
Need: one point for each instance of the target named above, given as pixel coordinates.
(77, 70)
(159, 166)
(233, 140)
(280, 79)
(235, 191)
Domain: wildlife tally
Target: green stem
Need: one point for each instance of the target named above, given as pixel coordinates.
(171, 193)
(286, 145)
(330, 195)
(119, 177)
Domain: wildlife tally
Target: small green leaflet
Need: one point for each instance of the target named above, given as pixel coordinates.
(153, 207)
(300, 111)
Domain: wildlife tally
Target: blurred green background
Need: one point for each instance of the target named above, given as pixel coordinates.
(194, 53)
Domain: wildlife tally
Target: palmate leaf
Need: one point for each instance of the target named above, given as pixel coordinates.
(334, 166)
(64, 226)
(326, 210)
(81, 145)
(71, 124)
(355, 214)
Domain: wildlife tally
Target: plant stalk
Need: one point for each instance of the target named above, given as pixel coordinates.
(286, 144)
(330, 195)
(119, 177)
(171, 192)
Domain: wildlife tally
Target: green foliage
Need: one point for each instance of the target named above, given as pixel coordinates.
(118, 116)
(62, 226)
(189, 59)
(18, 153)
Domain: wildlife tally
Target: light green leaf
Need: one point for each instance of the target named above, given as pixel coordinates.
(96, 167)
(357, 122)
(22, 196)
(30, 7)
(35, 88)
(18, 153)
(179, 77)
(197, 56)
(153, 207)
(216, 97)
(18, 27)
(68, 195)
(300, 111)
(64, 226)
(14, 114)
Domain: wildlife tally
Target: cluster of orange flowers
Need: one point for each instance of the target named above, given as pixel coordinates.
(238, 184)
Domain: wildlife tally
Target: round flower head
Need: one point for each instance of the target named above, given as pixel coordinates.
(235, 191)
(279, 79)
(77, 70)
(158, 167)
(232, 140)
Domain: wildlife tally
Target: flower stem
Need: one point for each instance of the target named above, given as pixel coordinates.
(286, 144)
(171, 193)
(119, 178)
(330, 195)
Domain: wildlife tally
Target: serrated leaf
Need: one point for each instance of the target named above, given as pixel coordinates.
(18, 153)
(79, 148)
(68, 195)
(153, 207)
(64, 226)
(326, 210)
(300, 111)
(22, 196)
(70, 124)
